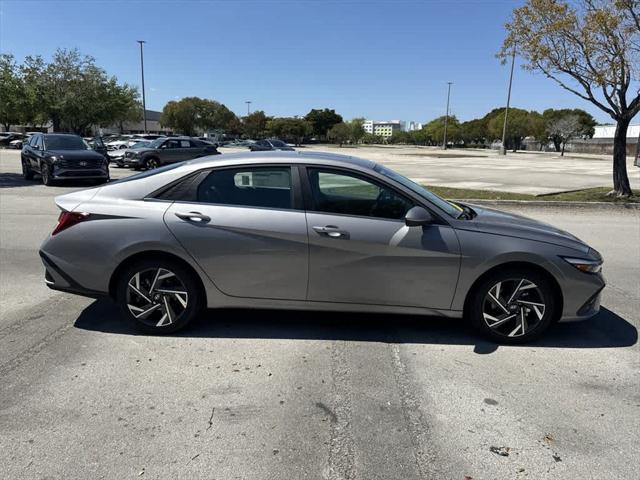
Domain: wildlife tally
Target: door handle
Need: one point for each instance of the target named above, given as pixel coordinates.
(332, 231)
(196, 217)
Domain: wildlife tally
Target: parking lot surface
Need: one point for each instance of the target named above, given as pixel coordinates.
(273, 395)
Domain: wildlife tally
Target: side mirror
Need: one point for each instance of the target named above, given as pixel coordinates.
(418, 216)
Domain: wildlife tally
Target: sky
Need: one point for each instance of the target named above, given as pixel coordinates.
(380, 60)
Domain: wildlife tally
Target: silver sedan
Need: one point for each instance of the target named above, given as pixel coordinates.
(318, 232)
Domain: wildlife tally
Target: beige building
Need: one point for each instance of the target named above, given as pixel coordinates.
(382, 129)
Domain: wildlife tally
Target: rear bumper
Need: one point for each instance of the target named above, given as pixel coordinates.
(57, 279)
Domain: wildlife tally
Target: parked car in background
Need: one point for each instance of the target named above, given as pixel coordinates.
(97, 144)
(163, 151)
(7, 137)
(117, 156)
(314, 231)
(59, 156)
(269, 144)
(18, 143)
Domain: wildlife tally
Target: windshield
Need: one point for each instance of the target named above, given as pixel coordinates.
(156, 143)
(142, 144)
(450, 208)
(278, 143)
(65, 142)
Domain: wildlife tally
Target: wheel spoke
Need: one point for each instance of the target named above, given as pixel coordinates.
(523, 321)
(497, 302)
(139, 292)
(515, 291)
(144, 313)
(515, 330)
(497, 321)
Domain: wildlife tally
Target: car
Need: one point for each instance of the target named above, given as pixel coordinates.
(117, 156)
(163, 151)
(59, 156)
(269, 145)
(313, 231)
(7, 137)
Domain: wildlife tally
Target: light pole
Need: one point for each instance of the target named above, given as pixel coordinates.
(503, 148)
(144, 100)
(446, 118)
(248, 102)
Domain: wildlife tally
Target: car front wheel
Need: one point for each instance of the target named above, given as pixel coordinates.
(46, 175)
(513, 306)
(27, 174)
(159, 296)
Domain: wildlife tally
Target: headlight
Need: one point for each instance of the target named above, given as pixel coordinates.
(587, 266)
(53, 159)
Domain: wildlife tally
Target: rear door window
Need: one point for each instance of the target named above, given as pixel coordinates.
(265, 187)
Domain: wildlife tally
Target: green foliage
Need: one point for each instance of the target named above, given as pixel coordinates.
(370, 138)
(339, 133)
(289, 129)
(255, 124)
(564, 124)
(322, 120)
(519, 125)
(474, 132)
(11, 92)
(434, 130)
(357, 130)
(191, 114)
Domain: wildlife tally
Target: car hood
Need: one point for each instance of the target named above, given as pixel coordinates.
(508, 224)
(76, 154)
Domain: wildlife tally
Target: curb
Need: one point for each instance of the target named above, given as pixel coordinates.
(551, 203)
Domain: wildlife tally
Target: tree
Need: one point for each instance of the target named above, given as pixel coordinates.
(11, 92)
(181, 115)
(474, 132)
(590, 48)
(357, 130)
(538, 129)
(434, 130)
(255, 124)
(556, 128)
(290, 129)
(519, 126)
(340, 132)
(322, 120)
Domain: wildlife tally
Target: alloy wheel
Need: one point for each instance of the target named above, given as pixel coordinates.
(156, 296)
(514, 307)
(153, 163)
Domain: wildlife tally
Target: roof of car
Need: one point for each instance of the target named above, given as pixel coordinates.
(282, 157)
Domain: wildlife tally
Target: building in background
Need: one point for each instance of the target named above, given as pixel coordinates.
(412, 126)
(153, 126)
(382, 128)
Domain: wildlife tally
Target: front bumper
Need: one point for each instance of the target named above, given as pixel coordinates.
(585, 309)
(78, 174)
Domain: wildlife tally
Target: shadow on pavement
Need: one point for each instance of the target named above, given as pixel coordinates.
(605, 330)
(13, 180)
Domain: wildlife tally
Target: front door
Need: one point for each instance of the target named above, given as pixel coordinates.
(243, 230)
(361, 251)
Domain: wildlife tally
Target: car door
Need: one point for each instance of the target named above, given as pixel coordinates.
(361, 251)
(170, 152)
(246, 228)
(36, 153)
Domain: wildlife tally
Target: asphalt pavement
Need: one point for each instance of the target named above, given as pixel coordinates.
(253, 394)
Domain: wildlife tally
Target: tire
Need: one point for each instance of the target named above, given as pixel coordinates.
(46, 175)
(137, 294)
(517, 294)
(152, 163)
(27, 173)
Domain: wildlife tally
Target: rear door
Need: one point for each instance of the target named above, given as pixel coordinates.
(246, 228)
(361, 251)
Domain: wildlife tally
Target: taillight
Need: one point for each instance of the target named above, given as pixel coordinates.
(69, 219)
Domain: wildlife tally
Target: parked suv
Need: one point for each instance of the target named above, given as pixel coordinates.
(58, 156)
(163, 151)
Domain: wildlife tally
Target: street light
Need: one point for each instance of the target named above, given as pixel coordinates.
(446, 118)
(248, 102)
(144, 102)
(503, 148)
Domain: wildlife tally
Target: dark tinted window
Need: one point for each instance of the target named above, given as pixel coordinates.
(65, 142)
(268, 187)
(278, 143)
(171, 144)
(340, 192)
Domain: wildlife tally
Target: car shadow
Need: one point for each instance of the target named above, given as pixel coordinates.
(605, 330)
(14, 180)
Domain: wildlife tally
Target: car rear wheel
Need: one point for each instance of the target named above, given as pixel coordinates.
(27, 174)
(159, 296)
(513, 306)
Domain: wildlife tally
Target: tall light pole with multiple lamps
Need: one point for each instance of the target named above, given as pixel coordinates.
(503, 148)
(144, 100)
(446, 118)
(248, 102)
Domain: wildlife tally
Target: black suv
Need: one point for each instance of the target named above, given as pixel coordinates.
(59, 156)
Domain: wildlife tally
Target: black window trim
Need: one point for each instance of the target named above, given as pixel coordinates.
(309, 202)
(297, 203)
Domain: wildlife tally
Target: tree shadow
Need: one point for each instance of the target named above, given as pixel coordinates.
(605, 330)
